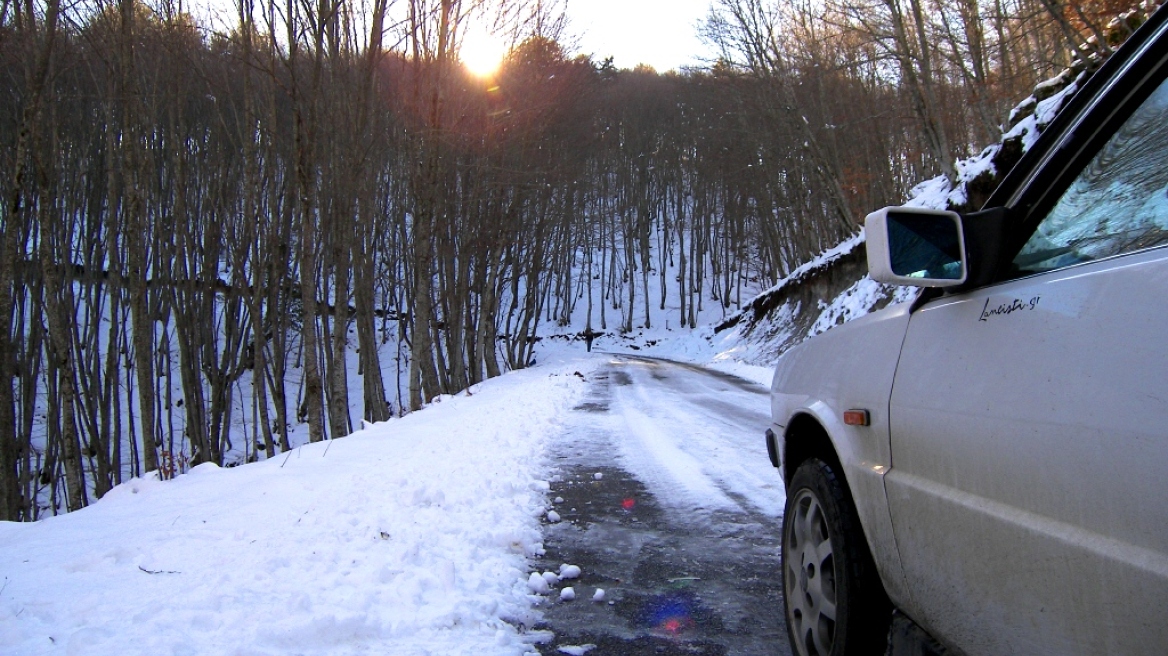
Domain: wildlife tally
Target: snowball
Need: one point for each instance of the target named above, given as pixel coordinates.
(569, 571)
(598, 595)
(577, 650)
(553, 516)
(598, 476)
(538, 584)
(551, 578)
(567, 594)
(559, 500)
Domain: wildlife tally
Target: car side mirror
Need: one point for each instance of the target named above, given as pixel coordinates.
(916, 247)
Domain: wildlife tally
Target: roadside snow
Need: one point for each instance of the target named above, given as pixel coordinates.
(1030, 127)
(410, 537)
(855, 302)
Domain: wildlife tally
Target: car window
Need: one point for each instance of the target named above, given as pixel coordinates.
(1117, 204)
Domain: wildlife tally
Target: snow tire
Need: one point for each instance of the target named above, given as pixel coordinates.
(834, 602)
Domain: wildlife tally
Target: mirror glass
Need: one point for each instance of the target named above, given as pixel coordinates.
(924, 246)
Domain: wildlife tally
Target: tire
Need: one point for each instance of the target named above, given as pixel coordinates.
(834, 602)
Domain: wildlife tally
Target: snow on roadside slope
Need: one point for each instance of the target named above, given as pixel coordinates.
(410, 537)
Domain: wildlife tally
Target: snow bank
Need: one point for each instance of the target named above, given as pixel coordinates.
(410, 537)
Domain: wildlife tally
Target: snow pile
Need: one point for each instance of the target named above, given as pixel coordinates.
(411, 537)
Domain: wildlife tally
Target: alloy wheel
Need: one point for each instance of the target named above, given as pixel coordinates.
(810, 576)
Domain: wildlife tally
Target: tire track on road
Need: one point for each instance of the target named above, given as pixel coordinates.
(677, 580)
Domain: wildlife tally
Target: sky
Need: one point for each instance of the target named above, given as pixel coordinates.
(661, 33)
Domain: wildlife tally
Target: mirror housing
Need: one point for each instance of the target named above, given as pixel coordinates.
(916, 247)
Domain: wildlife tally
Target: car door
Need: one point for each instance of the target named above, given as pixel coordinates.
(1029, 424)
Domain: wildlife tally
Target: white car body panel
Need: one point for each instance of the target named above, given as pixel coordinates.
(1013, 484)
(1029, 432)
(851, 367)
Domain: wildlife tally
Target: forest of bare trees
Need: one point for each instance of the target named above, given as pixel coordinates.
(201, 224)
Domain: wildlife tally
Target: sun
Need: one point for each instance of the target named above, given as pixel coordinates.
(482, 52)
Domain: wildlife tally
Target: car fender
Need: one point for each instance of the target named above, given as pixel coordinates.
(850, 367)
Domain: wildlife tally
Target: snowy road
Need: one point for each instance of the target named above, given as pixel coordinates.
(668, 504)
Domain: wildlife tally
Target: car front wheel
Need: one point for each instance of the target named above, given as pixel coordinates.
(835, 603)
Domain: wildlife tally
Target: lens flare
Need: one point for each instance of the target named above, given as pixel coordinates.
(670, 614)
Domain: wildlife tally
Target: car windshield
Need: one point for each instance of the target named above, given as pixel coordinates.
(1117, 204)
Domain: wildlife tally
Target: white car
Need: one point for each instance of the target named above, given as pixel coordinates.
(992, 460)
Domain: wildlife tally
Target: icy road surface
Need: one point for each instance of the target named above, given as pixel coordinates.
(666, 501)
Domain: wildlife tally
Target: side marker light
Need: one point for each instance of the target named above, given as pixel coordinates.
(857, 418)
